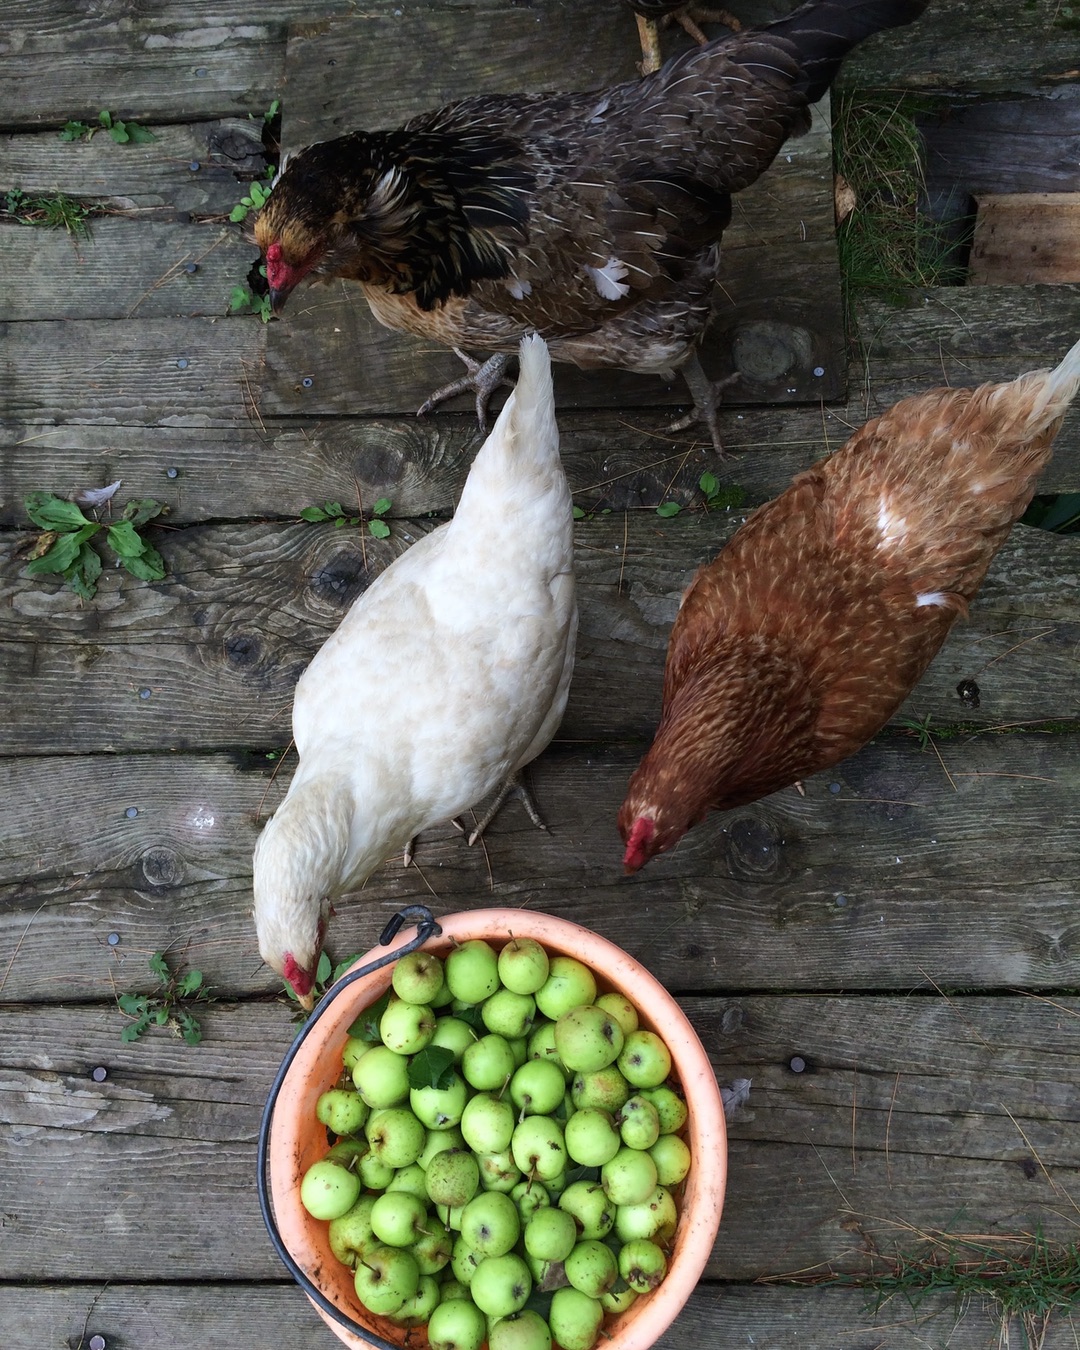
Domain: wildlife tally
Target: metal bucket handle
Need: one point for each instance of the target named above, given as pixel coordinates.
(427, 928)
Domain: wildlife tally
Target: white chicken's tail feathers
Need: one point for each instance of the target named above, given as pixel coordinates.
(530, 409)
(1051, 392)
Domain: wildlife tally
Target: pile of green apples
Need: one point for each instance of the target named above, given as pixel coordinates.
(507, 1148)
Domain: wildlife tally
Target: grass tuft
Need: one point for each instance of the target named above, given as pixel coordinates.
(887, 244)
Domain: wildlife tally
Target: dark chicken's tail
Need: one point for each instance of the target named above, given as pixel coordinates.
(824, 31)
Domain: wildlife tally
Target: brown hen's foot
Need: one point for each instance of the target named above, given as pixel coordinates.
(483, 379)
(410, 847)
(688, 18)
(706, 395)
(514, 786)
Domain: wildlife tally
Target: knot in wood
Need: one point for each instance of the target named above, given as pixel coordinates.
(341, 580)
(162, 867)
(243, 650)
(765, 351)
(754, 849)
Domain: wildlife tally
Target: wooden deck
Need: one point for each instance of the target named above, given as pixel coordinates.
(908, 929)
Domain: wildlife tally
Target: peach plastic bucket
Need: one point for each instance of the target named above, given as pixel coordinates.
(297, 1139)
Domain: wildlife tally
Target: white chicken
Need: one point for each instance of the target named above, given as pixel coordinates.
(446, 677)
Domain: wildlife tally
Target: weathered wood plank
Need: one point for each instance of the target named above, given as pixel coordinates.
(126, 269)
(779, 265)
(1025, 237)
(243, 1316)
(221, 641)
(141, 68)
(969, 46)
(177, 372)
(1022, 145)
(872, 880)
(929, 1098)
(154, 175)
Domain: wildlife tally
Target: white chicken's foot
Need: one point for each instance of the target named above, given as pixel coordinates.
(706, 395)
(410, 847)
(483, 379)
(514, 786)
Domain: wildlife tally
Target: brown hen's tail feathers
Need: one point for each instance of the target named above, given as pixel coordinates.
(824, 31)
(1050, 391)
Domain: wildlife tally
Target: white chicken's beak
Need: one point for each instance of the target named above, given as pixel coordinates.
(306, 1001)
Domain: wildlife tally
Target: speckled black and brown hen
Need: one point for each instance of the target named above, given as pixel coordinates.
(593, 219)
(653, 14)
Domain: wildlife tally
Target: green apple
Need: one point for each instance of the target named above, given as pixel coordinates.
(620, 1007)
(541, 1045)
(329, 1190)
(591, 1267)
(440, 1108)
(487, 1123)
(464, 1262)
(395, 1136)
(491, 1225)
(416, 1311)
(592, 1137)
(642, 1264)
(452, 1178)
(670, 1107)
(440, 1141)
(451, 1033)
(672, 1159)
(498, 1171)
(472, 971)
(605, 1088)
(406, 1028)
(354, 1049)
(645, 1060)
(639, 1123)
(537, 1087)
(618, 1302)
(589, 1205)
(418, 977)
(538, 1146)
(348, 1152)
(433, 1248)
(452, 1288)
(375, 1174)
(385, 1278)
(508, 1014)
(568, 985)
(523, 965)
(525, 1330)
(530, 1196)
(451, 1216)
(629, 1177)
(351, 1234)
(655, 1217)
(550, 1235)
(382, 1077)
(519, 1048)
(588, 1038)
(457, 1324)
(575, 1319)
(341, 1111)
(411, 1179)
(397, 1218)
(488, 1063)
(501, 1285)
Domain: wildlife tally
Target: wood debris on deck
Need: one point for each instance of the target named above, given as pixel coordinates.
(906, 932)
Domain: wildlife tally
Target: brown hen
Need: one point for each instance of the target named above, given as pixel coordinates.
(807, 632)
(593, 219)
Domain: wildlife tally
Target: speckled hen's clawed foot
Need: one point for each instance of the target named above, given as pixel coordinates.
(483, 379)
(706, 395)
(513, 787)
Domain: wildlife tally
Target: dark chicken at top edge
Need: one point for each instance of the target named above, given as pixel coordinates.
(593, 219)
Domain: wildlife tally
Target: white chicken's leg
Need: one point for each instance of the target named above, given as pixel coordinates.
(410, 847)
(514, 786)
